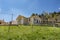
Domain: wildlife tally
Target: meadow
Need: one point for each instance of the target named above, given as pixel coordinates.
(29, 33)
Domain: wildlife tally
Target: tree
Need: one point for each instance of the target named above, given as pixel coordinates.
(36, 14)
(33, 14)
(54, 16)
(42, 14)
(39, 15)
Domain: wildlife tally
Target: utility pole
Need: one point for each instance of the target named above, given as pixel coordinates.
(10, 23)
(11, 18)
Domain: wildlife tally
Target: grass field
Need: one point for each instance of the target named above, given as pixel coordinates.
(29, 33)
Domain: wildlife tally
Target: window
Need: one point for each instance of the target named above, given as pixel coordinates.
(37, 21)
(29, 19)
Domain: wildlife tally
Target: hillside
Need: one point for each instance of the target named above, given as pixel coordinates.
(29, 33)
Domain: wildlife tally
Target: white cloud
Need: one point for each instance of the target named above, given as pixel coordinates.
(59, 8)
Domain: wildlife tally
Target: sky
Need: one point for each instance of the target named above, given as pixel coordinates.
(26, 7)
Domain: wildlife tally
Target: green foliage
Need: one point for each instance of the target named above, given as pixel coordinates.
(34, 14)
(26, 33)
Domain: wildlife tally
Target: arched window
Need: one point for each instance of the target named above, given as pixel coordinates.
(37, 21)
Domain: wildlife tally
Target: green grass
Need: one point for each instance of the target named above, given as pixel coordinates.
(29, 33)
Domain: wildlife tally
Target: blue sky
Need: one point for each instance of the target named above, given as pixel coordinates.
(26, 7)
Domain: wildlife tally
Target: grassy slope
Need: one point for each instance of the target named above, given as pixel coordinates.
(26, 33)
